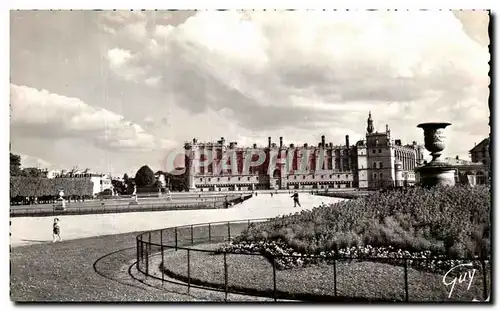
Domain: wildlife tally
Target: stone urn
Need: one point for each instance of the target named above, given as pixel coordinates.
(436, 172)
(434, 138)
(61, 203)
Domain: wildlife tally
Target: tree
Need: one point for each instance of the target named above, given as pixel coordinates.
(118, 186)
(125, 178)
(33, 172)
(15, 165)
(176, 182)
(145, 177)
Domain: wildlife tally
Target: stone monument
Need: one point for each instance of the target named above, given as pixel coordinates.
(436, 172)
(61, 203)
(134, 196)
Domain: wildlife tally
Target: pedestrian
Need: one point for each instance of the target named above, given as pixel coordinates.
(295, 197)
(56, 230)
(271, 194)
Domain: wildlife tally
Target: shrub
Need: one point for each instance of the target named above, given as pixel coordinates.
(449, 221)
(145, 177)
(32, 186)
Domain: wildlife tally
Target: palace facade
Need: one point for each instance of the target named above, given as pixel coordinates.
(375, 162)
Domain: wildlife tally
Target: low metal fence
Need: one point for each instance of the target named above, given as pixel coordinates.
(107, 208)
(189, 268)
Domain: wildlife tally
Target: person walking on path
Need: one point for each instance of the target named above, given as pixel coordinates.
(56, 231)
(271, 194)
(296, 202)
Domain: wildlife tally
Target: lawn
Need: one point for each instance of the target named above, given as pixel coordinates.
(358, 280)
(64, 272)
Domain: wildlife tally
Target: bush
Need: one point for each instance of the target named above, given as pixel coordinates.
(31, 186)
(447, 221)
(145, 177)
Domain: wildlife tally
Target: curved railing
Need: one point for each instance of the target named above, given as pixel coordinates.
(152, 245)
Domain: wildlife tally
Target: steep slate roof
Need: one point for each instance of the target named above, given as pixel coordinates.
(481, 144)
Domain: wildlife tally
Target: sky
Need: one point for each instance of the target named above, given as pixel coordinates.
(115, 90)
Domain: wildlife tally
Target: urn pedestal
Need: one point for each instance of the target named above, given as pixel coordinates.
(436, 172)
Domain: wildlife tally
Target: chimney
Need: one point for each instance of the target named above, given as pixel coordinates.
(323, 141)
(457, 158)
(254, 146)
(223, 141)
(347, 141)
(281, 142)
(269, 141)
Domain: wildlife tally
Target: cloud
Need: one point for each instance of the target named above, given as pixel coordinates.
(241, 75)
(38, 113)
(32, 161)
(298, 65)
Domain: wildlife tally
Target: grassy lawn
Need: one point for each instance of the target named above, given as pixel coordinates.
(365, 280)
(64, 272)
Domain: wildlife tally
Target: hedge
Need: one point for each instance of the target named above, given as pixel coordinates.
(31, 186)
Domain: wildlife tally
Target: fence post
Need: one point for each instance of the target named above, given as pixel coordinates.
(228, 231)
(335, 276)
(137, 252)
(149, 245)
(162, 265)
(147, 260)
(175, 238)
(209, 232)
(189, 270)
(192, 235)
(406, 280)
(162, 258)
(225, 276)
(274, 278)
(140, 250)
(485, 289)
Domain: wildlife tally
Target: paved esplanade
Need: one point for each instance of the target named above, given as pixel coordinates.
(28, 230)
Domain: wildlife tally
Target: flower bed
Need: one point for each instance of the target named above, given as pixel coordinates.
(355, 280)
(286, 258)
(417, 223)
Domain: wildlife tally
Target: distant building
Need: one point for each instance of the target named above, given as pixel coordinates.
(480, 153)
(467, 172)
(377, 161)
(101, 182)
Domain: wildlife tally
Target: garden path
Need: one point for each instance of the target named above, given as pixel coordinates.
(36, 230)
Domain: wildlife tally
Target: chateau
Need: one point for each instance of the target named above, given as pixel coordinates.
(377, 161)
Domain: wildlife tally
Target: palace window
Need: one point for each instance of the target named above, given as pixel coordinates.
(380, 165)
(248, 178)
(380, 151)
(218, 178)
(374, 164)
(373, 151)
